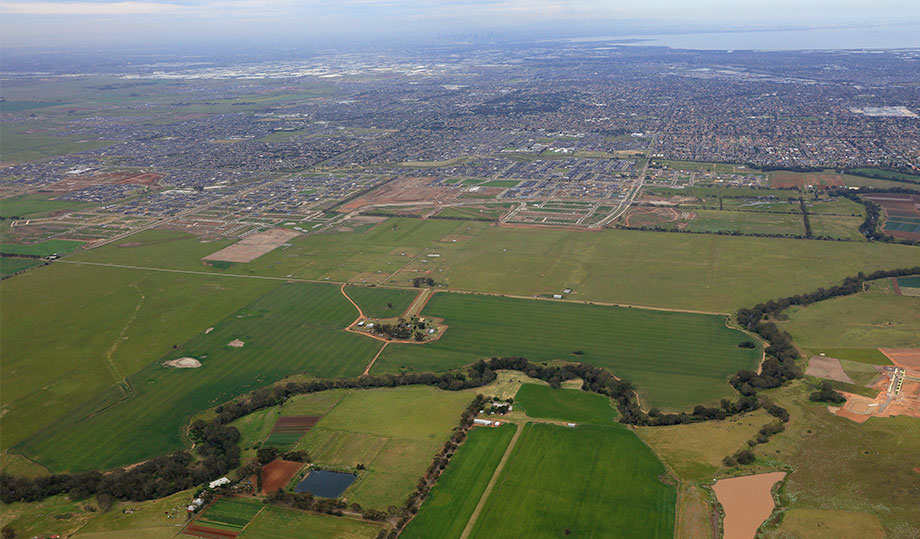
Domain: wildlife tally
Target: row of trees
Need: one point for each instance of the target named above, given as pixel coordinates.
(217, 452)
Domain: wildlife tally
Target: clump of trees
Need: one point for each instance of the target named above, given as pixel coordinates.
(419, 282)
(267, 454)
(826, 393)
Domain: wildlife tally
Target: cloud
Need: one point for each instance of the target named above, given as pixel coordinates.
(71, 9)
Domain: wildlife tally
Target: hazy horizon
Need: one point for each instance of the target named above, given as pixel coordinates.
(263, 23)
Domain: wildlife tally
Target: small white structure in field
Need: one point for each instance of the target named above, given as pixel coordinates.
(572, 425)
(485, 422)
(557, 296)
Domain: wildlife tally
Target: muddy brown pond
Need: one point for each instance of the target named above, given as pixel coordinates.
(747, 503)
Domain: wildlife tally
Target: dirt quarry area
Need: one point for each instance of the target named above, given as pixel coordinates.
(898, 391)
(75, 183)
(253, 246)
(404, 190)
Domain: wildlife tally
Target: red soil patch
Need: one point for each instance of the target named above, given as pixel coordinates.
(278, 473)
(402, 190)
(296, 423)
(906, 358)
(208, 533)
(76, 183)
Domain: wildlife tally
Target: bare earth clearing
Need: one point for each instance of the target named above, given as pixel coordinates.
(254, 246)
(827, 367)
(183, 363)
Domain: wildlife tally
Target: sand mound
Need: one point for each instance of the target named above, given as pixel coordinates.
(183, 363)
(236, 343)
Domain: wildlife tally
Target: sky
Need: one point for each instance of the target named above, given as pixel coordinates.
(79, 23)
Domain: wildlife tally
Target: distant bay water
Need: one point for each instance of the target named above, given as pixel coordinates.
(875, 37)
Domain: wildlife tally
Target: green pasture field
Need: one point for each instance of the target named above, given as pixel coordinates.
(282, 523)
(471, 213)
(836, 226)
(147, 520)
(861, 373)
(689, 271)
(565, 405)
(453, 499)
(317, 403)
(9, 265)
(826, 524)
(394, 432)
(230, 513)
(254, 428)
(655, 350)
(873, 319)
(115, 321)
(19, 146)
(375, 302)
(695, 451)
(53, 515)
(866, 356)
(885, 174)
(837, 206)
(26, 206)
(747, 222)
(45, 248)
(712, 193)
(861, 468)
(593, 481)
(700, 166)
(501, 183)
(151, 420)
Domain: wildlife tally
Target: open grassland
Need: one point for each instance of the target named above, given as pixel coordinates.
(54, 515)
(32, 206)
(873, 319)
(452, 501)
(564, 405)
(70, 332)
(254, 429)
(836, 226)
(282, 523)
(381, 302)
(592, 481)
(788, 224)
(826, 524)
(695, 451)
(313, 403)
(45, 248)
(690, 271)
(292, 329)
(394, 433)
(146, 519)
(20, 146)
(863, 469)
(868, 356)
(675, 360)
(9, 266)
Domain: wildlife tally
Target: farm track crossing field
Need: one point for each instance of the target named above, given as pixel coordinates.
(675, 360)
(688, 271)
(282, 523)
(294, 328)
(593, 481)
(70, 332)
(565, 405)
(452, 501)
